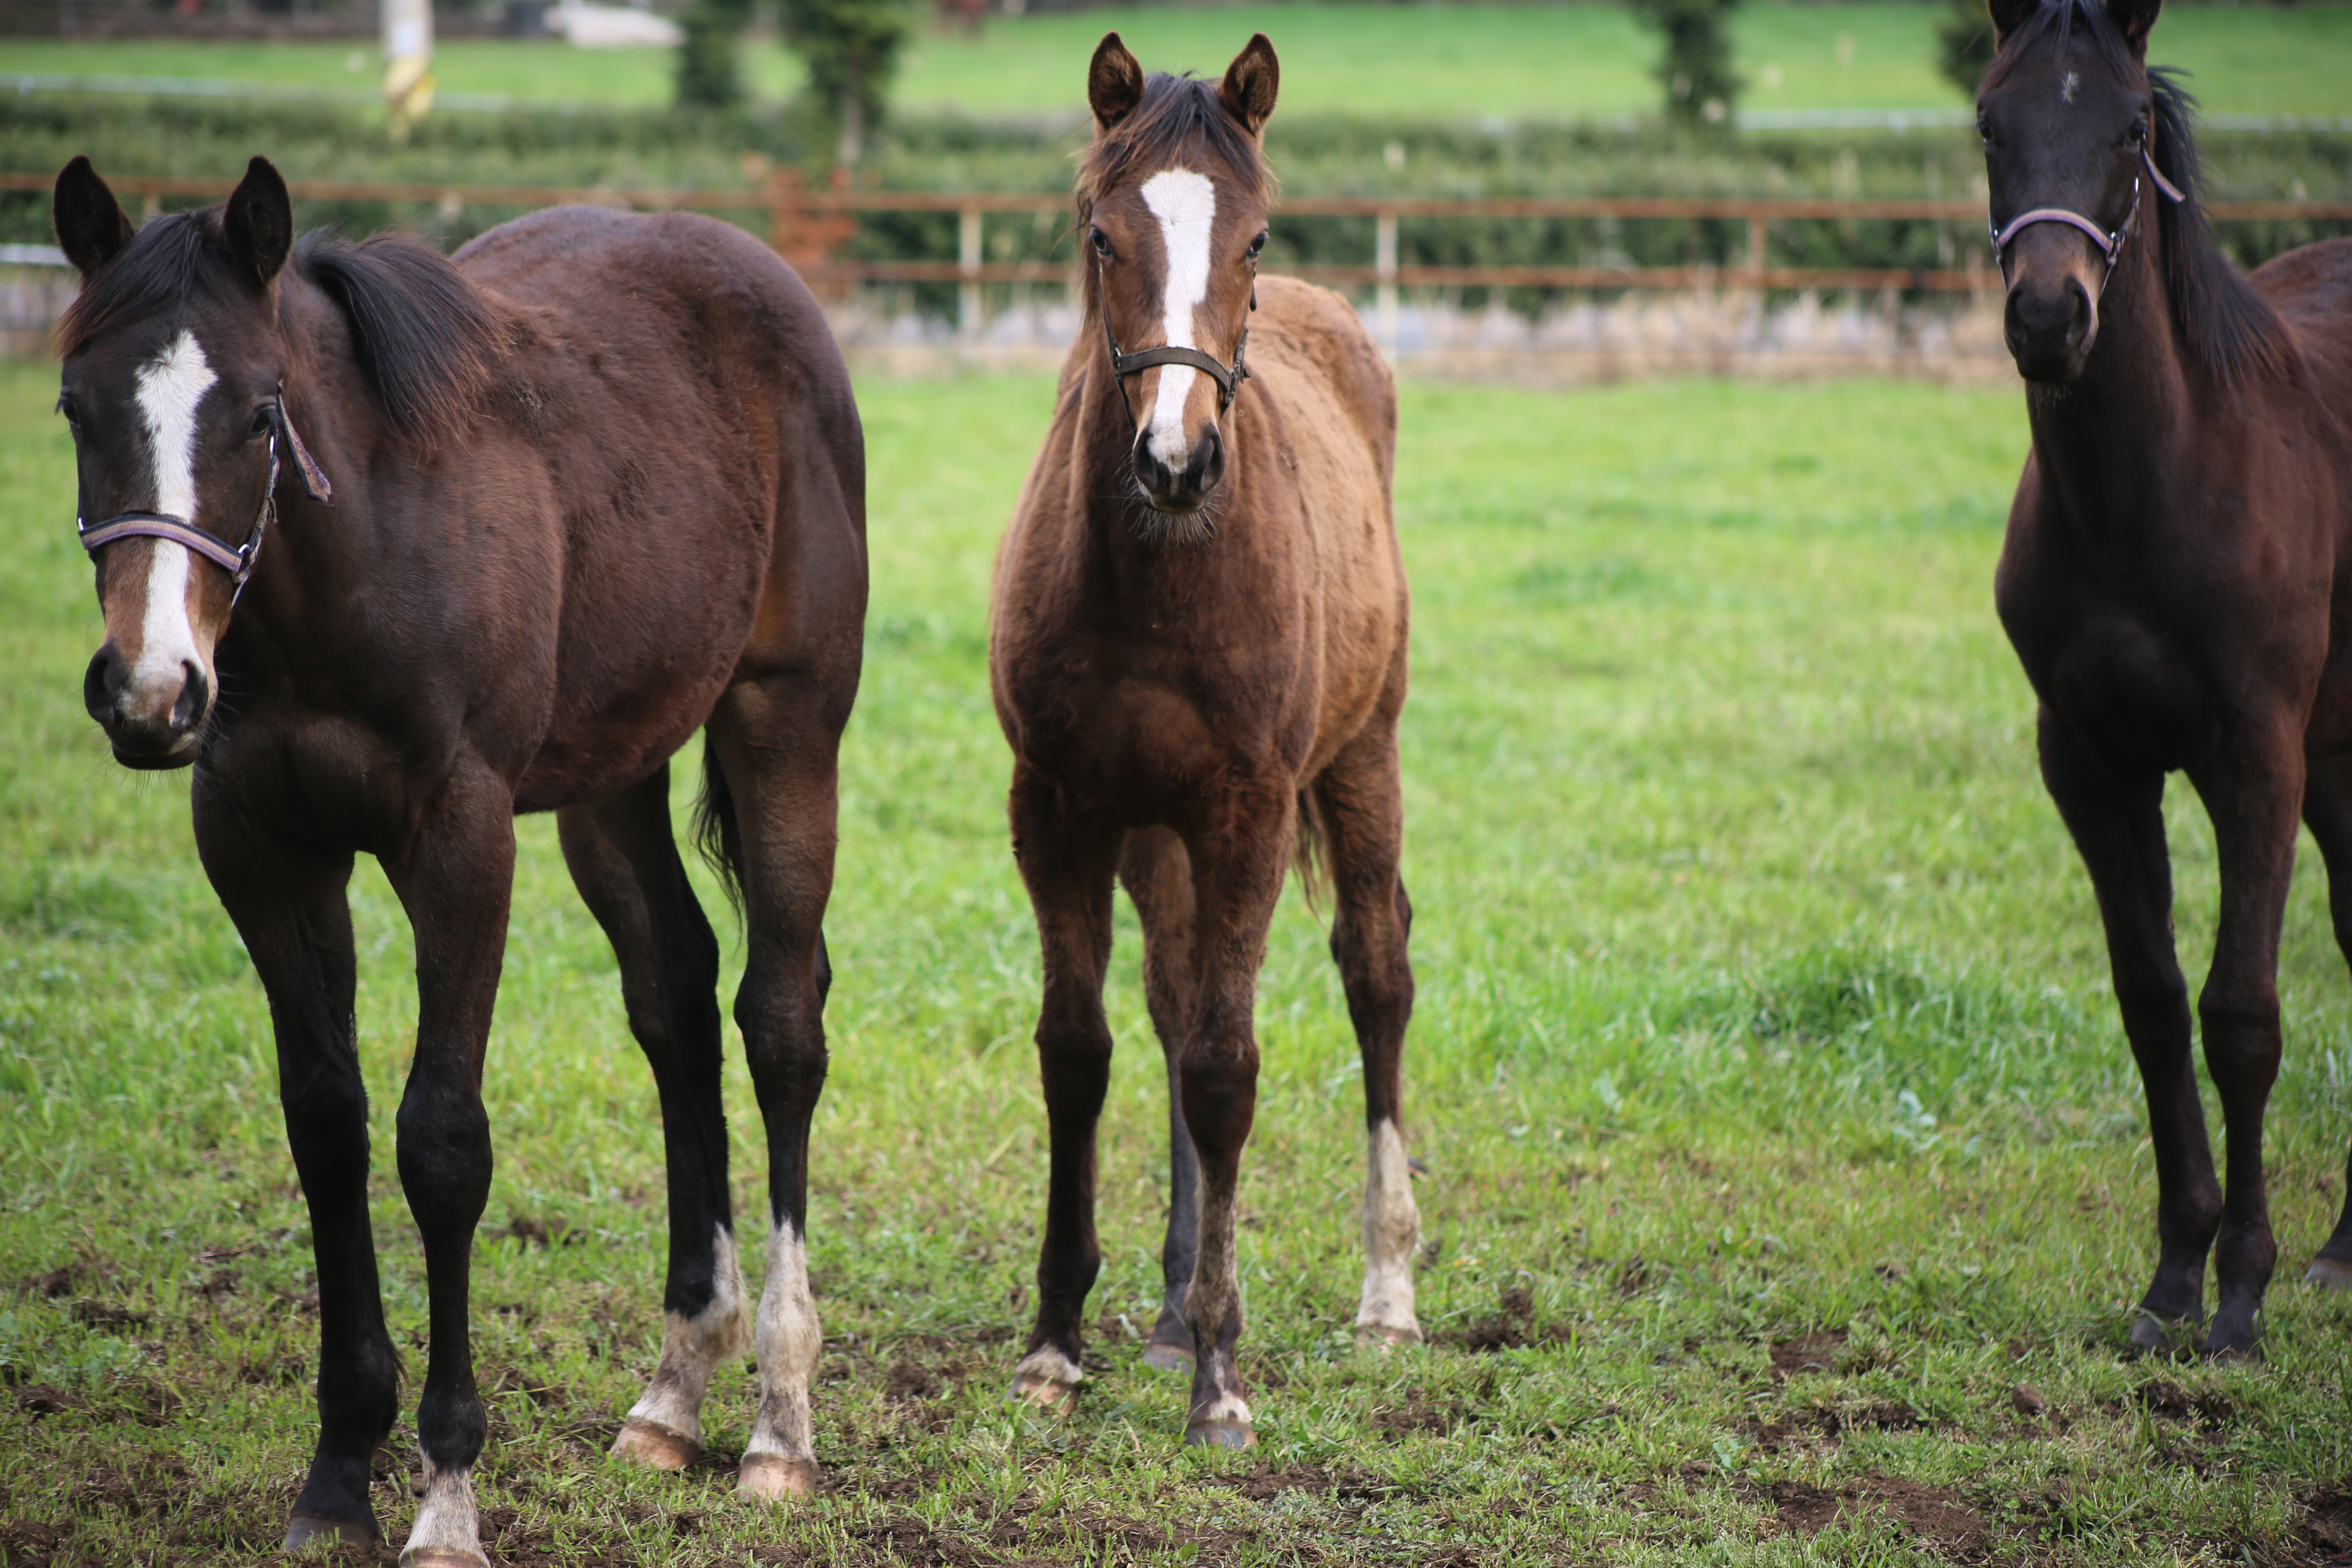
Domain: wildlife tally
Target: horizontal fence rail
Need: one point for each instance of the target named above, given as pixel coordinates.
(810, 225)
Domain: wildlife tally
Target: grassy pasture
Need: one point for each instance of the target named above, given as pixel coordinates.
(1551, 62)
(1778, 1120)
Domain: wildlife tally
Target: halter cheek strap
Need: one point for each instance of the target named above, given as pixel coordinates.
(237, 561)
(1229, 379)
(2109, 241)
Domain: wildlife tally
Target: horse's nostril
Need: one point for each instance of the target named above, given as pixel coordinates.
(194, 698)
(100, 683)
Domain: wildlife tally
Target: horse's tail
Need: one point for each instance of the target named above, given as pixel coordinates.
(716, 832)
(1306, 857)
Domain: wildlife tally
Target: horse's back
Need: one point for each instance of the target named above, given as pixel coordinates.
(2311, 287)
(673, 395)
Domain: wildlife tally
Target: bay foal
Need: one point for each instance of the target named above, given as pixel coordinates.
(1198, 652)
(550, 509)
(2177, 583)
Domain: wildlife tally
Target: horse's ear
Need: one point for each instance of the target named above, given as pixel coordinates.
(259, 221)
(2007, 16)
(1250, 82)
(1114, 82)
(2134, 18)
(91, 225)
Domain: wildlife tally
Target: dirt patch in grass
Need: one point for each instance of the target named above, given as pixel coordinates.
(1346, 1485)
(1514, 1327)
(2168, 1401)
(2326, 1531)
(1932, 1517)
(1808, 1355)
(1421, 1416)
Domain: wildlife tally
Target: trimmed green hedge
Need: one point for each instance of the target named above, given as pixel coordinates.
(1314, 155)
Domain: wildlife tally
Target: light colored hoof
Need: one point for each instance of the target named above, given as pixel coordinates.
(1167, 1358)
(2328, 1274)
(1051, 1395)
(1220, 1434)
(775, 1477)
(654, 1447)
(305, 1528)
(442, 1557)
(1387, 1337)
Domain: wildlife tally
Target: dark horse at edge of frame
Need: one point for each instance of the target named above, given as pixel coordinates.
(2177, 583)
(391, 547)
(1198, 653)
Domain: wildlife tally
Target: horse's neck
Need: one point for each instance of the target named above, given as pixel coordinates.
(2113, 440)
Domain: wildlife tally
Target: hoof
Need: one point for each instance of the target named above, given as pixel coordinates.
(1386, 1337)
(442, 1557)
(305, 1528)
(775, 1477)
(654, 1448)
(1168, 1357)
(2161, 1336)
(2329, 1274)
(1220, 1434)
(1051, 1395)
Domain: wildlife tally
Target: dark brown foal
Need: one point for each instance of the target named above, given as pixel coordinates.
(1198, 650)
(550, 508)
(2177, 565)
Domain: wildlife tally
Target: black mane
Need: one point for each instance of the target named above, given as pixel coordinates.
(2228, 326)
(425, 338)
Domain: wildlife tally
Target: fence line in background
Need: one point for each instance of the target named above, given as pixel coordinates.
(808, 225)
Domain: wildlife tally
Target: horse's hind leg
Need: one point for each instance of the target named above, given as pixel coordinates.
(774, 794)
(2328, 810)
(1067, 867)
(626, 862)
(2117, 825)
(1360, 807)
(291, 910)
(1158, 875)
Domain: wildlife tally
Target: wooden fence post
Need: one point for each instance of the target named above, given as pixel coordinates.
(968, 266)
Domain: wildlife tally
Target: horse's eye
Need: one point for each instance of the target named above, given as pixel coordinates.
(1258, 245)
(1984, 129)
(2138, 134)
(73, 416)
(1100, 241)
(262, 421)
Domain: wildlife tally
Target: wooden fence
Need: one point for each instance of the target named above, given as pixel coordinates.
(808, 225)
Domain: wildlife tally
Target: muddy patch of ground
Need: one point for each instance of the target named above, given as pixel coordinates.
(1931, 1517)
(1808, 1355)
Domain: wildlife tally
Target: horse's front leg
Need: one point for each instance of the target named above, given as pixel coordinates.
(2117, 825)
(455, 880)
(1157, 876)
(289, 902)
(1242, 866)
(2252, 788)
(1067, 866)
(2328, 810)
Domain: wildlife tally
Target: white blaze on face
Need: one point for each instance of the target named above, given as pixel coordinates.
(1186, 206)
(171, 386)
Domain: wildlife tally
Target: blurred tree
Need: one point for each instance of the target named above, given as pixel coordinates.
(851, 49)
(1696, 70)
(709, 57)
(1964, 44)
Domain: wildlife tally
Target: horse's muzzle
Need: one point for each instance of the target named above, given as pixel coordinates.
(1185, 489)
(2050, 325)
(151, 723)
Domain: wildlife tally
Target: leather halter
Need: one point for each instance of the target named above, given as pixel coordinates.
(238, 562)
(1228, 379)
(2109, 241)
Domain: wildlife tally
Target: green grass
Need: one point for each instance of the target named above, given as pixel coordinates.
(1452, 61)
(1762, 1005)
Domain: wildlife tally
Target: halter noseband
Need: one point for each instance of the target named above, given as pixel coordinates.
(1229, 379)
(2109, 241)
(238, 562)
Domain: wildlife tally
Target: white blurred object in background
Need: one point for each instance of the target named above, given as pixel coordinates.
(613, 26)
